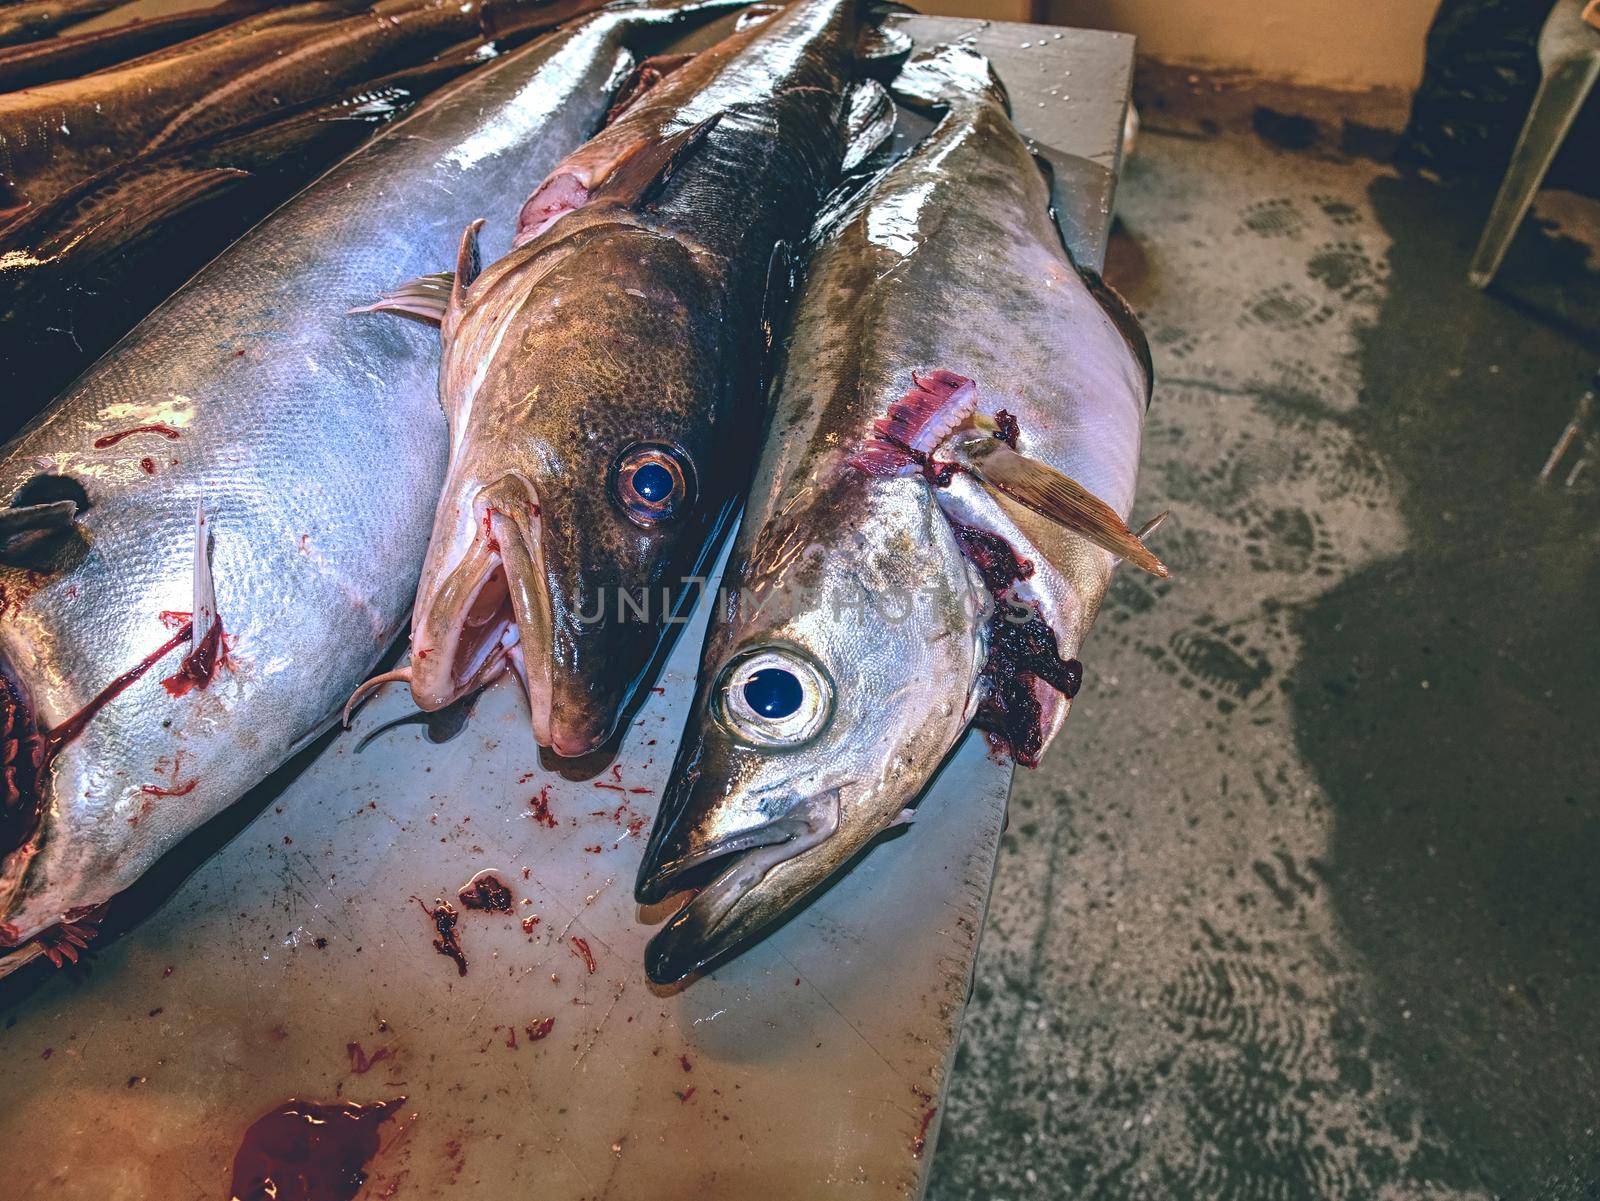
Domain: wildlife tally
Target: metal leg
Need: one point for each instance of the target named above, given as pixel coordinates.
(1569, 52)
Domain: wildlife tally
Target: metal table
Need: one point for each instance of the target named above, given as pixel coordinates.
(295, 961)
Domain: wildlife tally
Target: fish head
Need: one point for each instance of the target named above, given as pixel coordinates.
(585, 378)
(840, 673)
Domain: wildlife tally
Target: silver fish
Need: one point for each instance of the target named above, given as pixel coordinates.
(311, 441)
(603, 380)
(937, 512)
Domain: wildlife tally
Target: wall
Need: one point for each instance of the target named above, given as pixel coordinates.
(1340, 43)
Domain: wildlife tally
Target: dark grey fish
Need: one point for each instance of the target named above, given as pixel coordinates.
(70, 54)
(603, 381)
(78, 272)
(54, 135)
(40, 18)
(935, 517)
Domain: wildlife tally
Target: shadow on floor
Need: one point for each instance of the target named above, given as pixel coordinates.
(1448, 701)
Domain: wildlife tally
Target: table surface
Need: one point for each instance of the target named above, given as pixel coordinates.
(295, 962)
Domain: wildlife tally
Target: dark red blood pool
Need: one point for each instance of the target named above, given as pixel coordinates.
(486, 892)
(305, 1151)
(166, 431)
(540, 1029)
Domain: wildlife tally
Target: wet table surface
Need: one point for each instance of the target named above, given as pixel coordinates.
(298, 961)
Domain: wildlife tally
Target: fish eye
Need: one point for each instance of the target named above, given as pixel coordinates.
(775, 697)
(652, 483)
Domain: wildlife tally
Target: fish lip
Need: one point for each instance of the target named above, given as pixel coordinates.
(661, 880)
(701, 932)
(504, 553)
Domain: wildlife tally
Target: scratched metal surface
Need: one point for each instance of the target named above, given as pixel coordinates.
(810, 1066)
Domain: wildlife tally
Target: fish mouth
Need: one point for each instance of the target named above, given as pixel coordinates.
(728, 910)
(491, 614)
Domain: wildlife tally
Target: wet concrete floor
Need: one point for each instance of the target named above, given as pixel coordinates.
(1306, 900)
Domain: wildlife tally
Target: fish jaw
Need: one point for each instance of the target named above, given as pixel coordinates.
(862, 594)
(760, 874)
(536, 406)
(483, 606)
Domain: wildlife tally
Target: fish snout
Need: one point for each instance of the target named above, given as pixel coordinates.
(603, 644)
(746, 875)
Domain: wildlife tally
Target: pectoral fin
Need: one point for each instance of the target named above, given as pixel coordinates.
(430, 297)
(1052, 494)
(426, 298)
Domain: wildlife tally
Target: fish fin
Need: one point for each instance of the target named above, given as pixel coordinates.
(204, 608)
(948, 75)
(937, 402)
(425, 298)
(1080, 197)
(30, 519)
(868, 124)
(644, 76)
(1057, 496)
(398, 675)
(1127, 322)
(469, 262)
(641, 174)
(775, 302)
(882, 51)
(906, 817)
(1152, 525)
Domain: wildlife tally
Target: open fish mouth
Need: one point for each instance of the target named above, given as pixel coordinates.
(731, 906)
(491, 613)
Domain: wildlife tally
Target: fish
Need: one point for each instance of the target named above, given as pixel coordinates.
(213, 535)
(56, 134)
(35, 19)
(603, 380)
(71, 54)
(77, 272)
(938, 508)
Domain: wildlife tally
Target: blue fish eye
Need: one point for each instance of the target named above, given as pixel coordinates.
(773, 692)
(653, 482)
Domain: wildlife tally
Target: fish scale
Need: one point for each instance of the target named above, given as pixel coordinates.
(894, 582)
(629, 324)
(313, 441)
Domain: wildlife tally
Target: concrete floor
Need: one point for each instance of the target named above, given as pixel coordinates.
(1304, 903)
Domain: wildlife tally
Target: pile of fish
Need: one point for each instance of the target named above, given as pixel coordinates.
(130, 156)
(646, 287)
